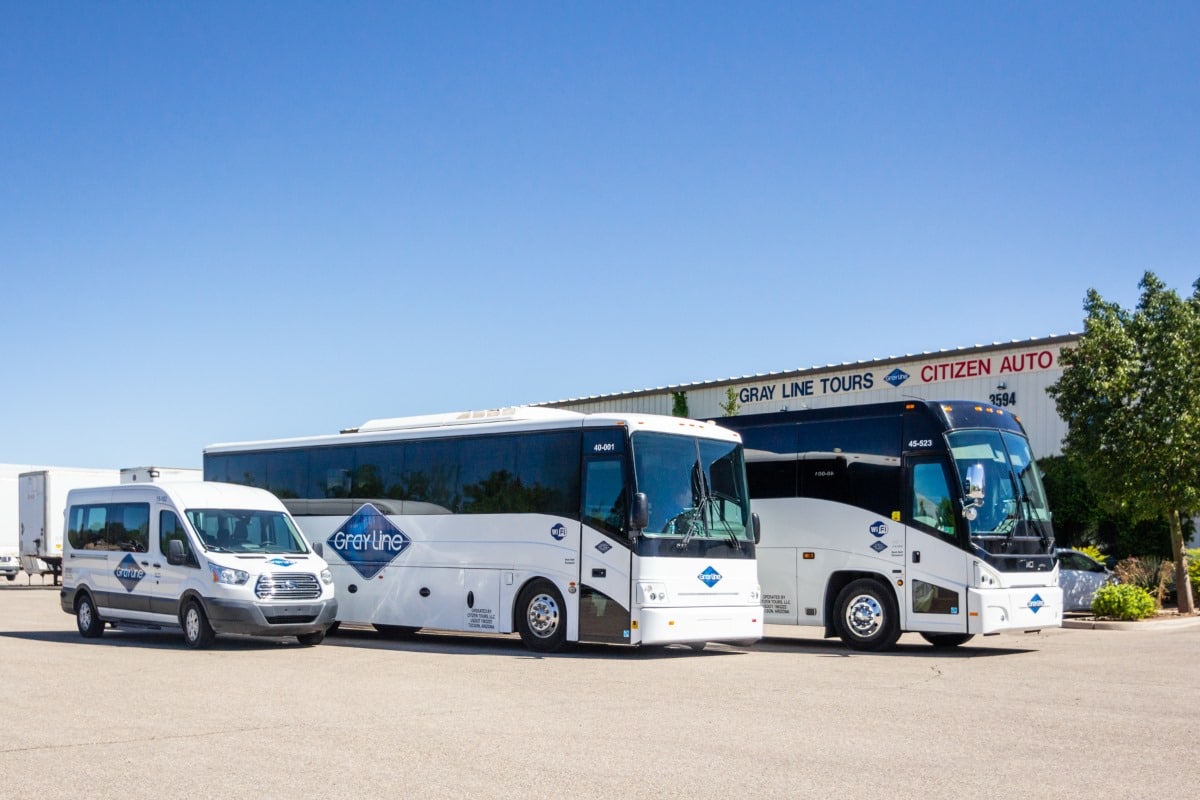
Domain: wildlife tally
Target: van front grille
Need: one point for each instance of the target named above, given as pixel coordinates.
(288, 586)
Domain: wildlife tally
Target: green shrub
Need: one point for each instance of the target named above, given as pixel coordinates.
(1123, 601)
(1154, 574)
(1194, 569)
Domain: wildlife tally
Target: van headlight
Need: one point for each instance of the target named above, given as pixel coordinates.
(234, 577)
(326, 577)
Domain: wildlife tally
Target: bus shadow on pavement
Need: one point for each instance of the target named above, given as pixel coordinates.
(830, 648)
(510, 646)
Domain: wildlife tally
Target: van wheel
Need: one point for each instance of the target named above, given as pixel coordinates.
(866, 617)
(309, 639)
(196, 631)
(89, 622)
(541, 617)
(947, 639)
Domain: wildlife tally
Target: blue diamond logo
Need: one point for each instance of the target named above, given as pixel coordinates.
(1035, 603)
(710, 577)
(878, 547)
(129, 573)
(896, 377)
(368, 541)
(604, 547)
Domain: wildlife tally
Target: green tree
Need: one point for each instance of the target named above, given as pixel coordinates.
(1130, 394)
(679, 407)
(731, 406)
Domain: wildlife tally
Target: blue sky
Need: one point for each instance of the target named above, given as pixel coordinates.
(229, 221)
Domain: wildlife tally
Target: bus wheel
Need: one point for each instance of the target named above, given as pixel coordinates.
(866, 616)
(947, 639)
(89, 622)
(395, 631)
(541, 617)
(196, 631)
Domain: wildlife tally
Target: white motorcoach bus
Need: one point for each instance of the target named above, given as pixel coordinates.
(561, 526)
(906, 516)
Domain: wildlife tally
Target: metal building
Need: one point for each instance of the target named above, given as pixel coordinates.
(1013, 376)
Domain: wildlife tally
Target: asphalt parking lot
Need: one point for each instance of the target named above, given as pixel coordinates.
(1065, 713)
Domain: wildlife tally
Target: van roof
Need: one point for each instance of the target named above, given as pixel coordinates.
(188, 494)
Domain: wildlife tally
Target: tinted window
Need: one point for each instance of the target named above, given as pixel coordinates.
(772, 478)
(604, 506)
(330, 470)
(529, 473)
(872, 435)
(170, 528)
(110, 526)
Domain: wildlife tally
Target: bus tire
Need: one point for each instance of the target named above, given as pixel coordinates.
(866, 617)
(395, 631)
(197, 632)
(947, 639)
(86, 618)
(541, 617)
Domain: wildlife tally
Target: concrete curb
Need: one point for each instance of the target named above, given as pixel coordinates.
(1170, 622)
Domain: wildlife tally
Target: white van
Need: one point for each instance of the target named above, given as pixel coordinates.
(206, 558)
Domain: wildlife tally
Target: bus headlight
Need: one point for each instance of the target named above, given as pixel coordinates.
(234, 577)
(326, 577)
(985, 576)
(651, 593)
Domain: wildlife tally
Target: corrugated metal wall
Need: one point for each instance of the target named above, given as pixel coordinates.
(1016, 374)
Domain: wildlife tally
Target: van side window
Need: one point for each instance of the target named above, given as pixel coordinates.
(110, 526)
(169, 527)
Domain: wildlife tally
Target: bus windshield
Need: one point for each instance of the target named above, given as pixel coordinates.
(246, 531)
(1008, 499)
(695, 487)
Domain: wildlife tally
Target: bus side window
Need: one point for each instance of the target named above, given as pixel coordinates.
(932, 504)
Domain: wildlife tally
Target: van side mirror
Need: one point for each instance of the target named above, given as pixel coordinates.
(756, 524)
(639, 514)
(176, 555)
(319, 549)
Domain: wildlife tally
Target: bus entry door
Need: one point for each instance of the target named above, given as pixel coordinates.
(936, 572)
(605, 557)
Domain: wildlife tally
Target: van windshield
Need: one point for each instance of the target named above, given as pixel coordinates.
(226, 530)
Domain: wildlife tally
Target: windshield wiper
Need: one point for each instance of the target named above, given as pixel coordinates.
(693, 518)
(713, 499)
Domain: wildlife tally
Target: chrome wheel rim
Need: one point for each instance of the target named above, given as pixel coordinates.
(864, 616)
(543, 616)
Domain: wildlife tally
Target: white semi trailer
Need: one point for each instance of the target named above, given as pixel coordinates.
(42, 499)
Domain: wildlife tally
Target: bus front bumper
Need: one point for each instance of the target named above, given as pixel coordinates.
(1031, 608)
(732, 624)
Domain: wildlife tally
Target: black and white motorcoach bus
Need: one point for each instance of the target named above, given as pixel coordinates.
(904, 516)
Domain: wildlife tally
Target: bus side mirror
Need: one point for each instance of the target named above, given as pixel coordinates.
(756, 523)
(639, 514)
(176, 555)
(975, 483)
